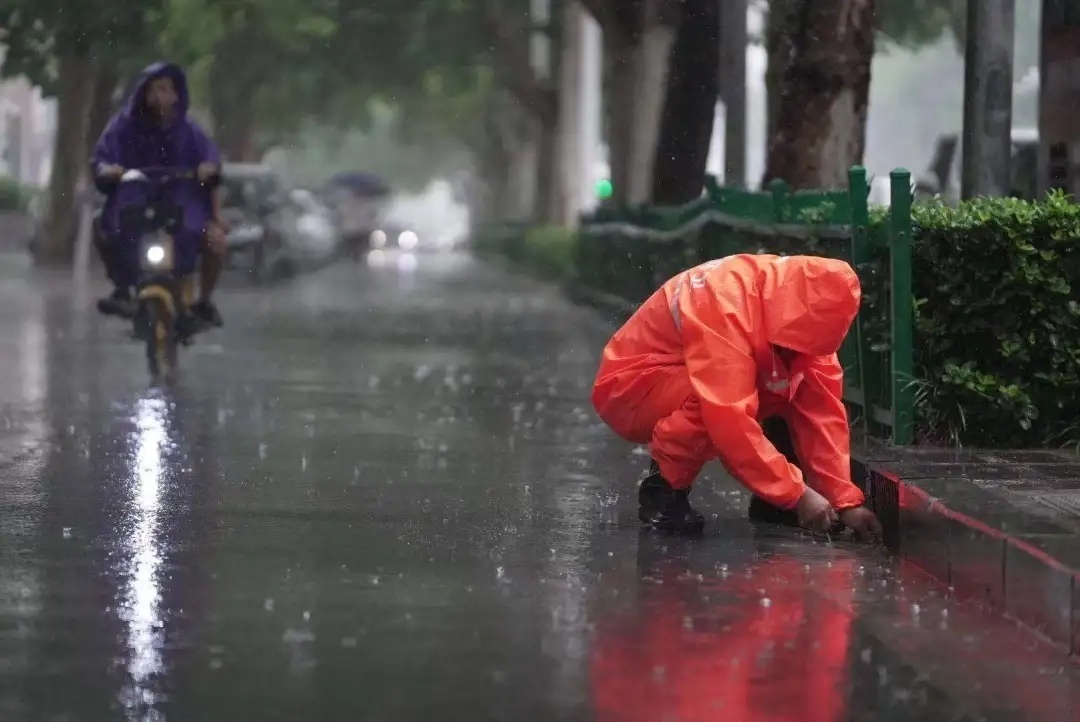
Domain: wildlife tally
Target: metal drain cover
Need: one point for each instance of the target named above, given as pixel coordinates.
(1065, 502)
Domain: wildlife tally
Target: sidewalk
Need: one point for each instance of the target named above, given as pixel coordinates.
(1000, 527)
(15, 264)
(14, 230)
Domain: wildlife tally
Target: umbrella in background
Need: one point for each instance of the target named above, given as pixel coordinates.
(360, 184)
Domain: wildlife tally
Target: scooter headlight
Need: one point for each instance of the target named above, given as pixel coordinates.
(156, 254)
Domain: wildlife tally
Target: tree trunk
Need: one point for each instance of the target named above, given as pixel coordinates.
(682, 150)
(821, 129)
(548, 206)
(106, 83)
(234, 126)
(232, 105)
(576, 145)
(496, 199)
(549, 186)
(778, 48)
(733, 44)
(619, 53)
(522, 184)
(75, 85)
(652, 58)
(638, 45)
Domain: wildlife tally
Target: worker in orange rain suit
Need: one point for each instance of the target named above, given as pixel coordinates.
(720, 348)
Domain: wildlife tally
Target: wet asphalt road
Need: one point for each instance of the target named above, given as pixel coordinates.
(380, 495)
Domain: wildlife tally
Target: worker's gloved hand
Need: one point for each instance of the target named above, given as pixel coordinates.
(863, 522)
(814, 511)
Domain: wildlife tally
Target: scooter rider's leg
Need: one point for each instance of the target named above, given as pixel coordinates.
(121, 268)
(211, 263)
(188, 251)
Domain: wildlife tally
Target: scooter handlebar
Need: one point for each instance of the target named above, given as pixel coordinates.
(160, 173)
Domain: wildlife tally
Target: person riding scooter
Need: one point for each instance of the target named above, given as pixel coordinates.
(153, 130)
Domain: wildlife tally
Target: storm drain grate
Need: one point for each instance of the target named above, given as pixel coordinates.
(1065, 502)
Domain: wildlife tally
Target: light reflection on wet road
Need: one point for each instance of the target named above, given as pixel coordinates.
(381, 496)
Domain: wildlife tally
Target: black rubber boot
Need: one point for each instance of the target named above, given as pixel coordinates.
(208, 313)
(189, 325)
(119, 303)
(666, 509)
(763, 512)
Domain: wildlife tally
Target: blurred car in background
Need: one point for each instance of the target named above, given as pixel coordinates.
(251, 200)
(432, 220)
(401, 237)
(394, 236)
(310, 228)
(943, 176)
(272, 224)
(358, 202)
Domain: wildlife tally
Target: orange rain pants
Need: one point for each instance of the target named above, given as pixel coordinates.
(700, 364)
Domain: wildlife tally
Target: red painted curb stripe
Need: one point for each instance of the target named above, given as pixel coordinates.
(939, 507)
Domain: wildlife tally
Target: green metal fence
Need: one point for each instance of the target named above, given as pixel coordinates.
(630, 253)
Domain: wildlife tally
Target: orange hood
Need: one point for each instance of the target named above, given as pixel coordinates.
(809, 303)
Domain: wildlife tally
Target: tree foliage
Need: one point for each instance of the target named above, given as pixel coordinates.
(268, 68)
(908, 23)
(284, 63)
(35, 32)
(914, 23)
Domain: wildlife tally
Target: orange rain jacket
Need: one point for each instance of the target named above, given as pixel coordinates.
(696, 369)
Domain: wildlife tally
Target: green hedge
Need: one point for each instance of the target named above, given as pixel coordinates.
(997, 345)
(997, 332)
(14, 196)
(547, 251)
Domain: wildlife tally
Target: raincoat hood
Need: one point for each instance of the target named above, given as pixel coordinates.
(809, 303)
(694, 373)
(135, 106)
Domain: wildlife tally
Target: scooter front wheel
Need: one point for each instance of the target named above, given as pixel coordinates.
(161, 339)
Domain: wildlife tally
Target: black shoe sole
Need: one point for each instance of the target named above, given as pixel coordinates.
(691, 531)
(192, 327)
(109, 310)
(762, 512)
(683, 529)
(211, 320)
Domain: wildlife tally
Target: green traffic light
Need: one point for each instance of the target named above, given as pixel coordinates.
(604, 189)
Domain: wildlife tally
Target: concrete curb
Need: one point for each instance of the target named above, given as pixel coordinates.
(975, 560)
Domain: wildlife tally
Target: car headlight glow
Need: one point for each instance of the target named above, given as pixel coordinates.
(155, 254)
(378, 239)
(408, 240)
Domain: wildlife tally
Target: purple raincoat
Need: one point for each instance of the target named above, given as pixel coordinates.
(136, 139)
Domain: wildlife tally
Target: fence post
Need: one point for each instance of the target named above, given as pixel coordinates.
(583, 274)
(903, 314)
(860, 253)
(780, 190)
